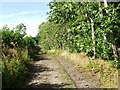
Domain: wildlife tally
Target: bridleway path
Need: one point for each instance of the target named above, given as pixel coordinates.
(54, 72)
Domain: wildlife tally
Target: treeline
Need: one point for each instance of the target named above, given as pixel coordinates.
(17, 51)
(90, 27)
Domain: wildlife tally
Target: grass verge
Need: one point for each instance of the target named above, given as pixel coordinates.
(104, 72)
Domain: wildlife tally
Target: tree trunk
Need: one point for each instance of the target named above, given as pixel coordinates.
(115, 51)
(93, 38)
(104, 36)
(114, 47)
(105, 3)
(93, 35)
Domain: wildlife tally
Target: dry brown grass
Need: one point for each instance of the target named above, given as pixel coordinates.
(15, 53)
(101, 68)
(80, 59)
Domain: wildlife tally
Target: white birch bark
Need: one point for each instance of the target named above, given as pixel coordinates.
(93, 38)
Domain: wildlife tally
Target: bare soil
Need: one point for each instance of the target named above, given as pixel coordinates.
(56, 72)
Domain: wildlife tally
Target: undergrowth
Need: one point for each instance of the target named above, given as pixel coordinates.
(14, 69)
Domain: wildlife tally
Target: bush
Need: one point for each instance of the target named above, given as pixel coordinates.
(13, 71)
(12, 38)
(14, 67)
(17, 51)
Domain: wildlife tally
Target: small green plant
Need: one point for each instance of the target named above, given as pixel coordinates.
(41, 53)
(113, 63)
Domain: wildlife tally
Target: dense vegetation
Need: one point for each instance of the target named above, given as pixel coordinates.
(90, 27)
(17, 50)
(85, 29)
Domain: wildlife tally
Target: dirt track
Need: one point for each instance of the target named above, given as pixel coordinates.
(55, 72)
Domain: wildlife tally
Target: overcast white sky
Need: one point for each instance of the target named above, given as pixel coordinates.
(31, 14)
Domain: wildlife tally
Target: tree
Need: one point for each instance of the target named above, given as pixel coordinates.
(21, 28)
(89, 27)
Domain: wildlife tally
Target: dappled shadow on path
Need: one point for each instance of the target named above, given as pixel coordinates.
(38, 71)
(34, 70)
(48, 85)
(40, 57)
(37, 68)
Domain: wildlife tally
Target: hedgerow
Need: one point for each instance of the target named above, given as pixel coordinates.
(16, 48)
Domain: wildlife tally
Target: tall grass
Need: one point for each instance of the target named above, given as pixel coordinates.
(14, 66)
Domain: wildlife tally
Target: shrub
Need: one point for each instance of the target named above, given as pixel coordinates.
(17, 51)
